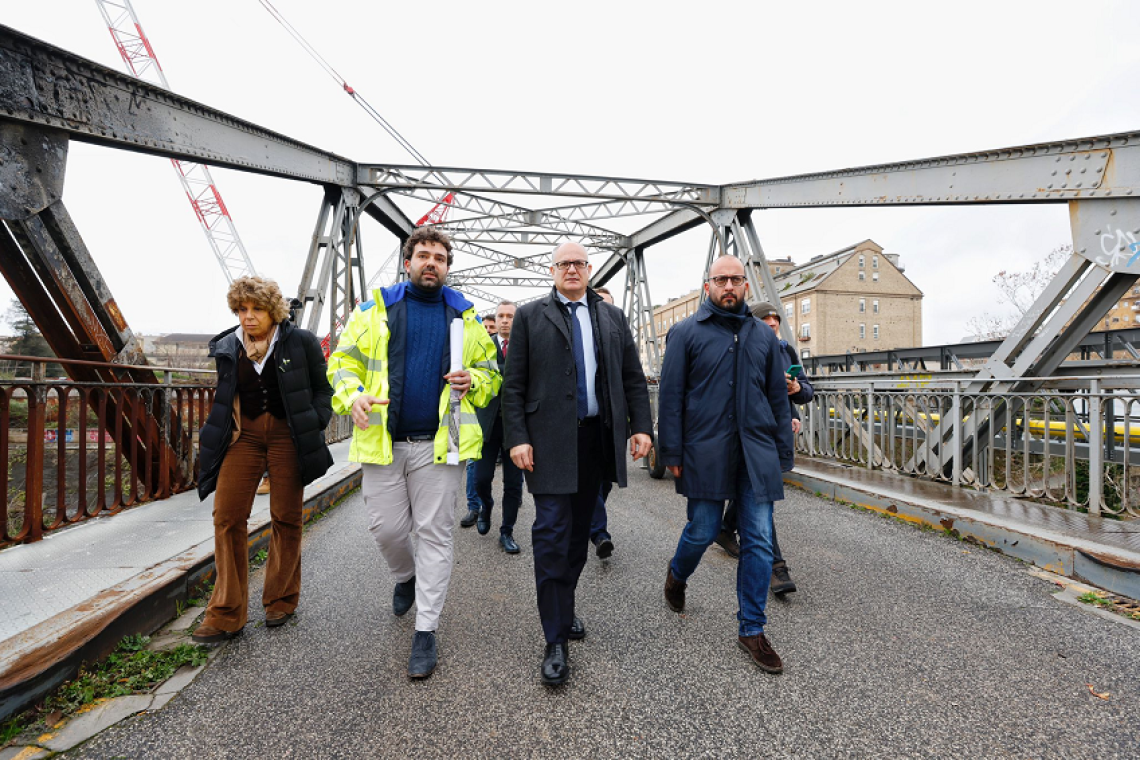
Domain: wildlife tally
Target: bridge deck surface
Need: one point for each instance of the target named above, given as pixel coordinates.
(899, 643)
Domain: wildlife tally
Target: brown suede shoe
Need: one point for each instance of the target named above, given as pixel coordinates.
(263, 486)
(274, 618)
(208, 634)
(674, 592)
(761, 652)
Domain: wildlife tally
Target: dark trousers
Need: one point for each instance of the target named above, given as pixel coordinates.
(560, 538)
(512, 478)
(265, 443)
(730, 525)
(600, 523)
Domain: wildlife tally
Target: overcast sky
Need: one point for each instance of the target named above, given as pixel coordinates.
(703, 92)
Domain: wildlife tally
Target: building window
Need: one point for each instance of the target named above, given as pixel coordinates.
(875, 332)
(805, 306)
(874, 262)
(789, 311)
(805, 330)
(862, 276)
(875, 306)
(875, 276)
(862, 262)
(862, 305)
(805, 353)
(862, 331)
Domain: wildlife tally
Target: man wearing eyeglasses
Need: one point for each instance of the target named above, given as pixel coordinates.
(574, 393)
(724, 431)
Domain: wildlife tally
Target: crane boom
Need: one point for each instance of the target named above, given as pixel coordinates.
(198, 184)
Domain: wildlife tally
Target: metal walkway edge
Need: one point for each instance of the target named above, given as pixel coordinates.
(71, 597)
(1097, 550)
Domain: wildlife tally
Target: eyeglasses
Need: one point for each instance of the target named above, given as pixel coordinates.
(721, 280)
(564, 265)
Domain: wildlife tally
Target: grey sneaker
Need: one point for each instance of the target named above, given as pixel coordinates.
(404, 596)
(424, 656)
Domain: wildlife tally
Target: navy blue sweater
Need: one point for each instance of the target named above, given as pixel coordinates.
(426, 340)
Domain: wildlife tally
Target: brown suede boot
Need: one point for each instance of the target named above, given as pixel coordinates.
(762, 653)
(674, 592)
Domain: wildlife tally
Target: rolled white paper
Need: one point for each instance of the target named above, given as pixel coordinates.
(456, 341)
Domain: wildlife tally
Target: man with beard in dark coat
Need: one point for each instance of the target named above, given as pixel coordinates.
(724, 431)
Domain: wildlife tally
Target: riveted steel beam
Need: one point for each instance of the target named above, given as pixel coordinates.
(1095, 167)
(50, 87)
(534, 183)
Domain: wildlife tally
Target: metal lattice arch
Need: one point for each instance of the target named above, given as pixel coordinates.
(510, 220)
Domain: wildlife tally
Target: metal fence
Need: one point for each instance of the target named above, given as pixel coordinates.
(76, 450)
(1073, 442)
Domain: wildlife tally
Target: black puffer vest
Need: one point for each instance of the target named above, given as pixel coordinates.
(305, 393)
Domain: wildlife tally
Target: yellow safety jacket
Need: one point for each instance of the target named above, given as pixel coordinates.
(360, 365)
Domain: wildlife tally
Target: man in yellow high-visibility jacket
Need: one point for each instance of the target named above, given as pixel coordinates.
(390, 372)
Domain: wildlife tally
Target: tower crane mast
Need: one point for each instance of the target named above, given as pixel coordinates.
(200, 188)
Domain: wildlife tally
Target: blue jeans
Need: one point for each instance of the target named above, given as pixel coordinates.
(754, 571)
(472, 496)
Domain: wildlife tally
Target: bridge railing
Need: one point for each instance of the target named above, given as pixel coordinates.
(76, 450)
(1073, 442)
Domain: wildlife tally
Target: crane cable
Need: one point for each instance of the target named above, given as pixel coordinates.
(399, 138)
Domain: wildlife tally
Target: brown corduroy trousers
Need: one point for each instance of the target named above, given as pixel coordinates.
(264, 442)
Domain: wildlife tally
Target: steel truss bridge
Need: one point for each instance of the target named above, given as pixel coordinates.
(511, 220)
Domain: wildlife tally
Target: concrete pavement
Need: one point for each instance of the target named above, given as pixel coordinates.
(899, 643)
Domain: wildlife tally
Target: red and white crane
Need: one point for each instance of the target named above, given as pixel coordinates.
(200, 187)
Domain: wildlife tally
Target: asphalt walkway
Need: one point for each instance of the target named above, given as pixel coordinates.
(900, 643)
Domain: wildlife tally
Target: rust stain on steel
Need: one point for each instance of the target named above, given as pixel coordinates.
(116, 315)
(893, 509)
(947, 523)
(1111, 561)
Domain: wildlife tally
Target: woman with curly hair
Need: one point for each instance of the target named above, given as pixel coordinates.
(270, 410)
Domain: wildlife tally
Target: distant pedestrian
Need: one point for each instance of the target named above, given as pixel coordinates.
(573, 395)
(391, 372)
(600, 523)
(474, 506)
(270, 409)
(724, 431)
(800, 391)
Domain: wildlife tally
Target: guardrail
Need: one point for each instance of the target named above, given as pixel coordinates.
(76, 450)
(1074, 442)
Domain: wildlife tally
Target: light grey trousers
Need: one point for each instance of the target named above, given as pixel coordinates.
(413, 495)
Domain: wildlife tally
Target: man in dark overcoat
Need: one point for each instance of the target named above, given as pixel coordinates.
(724, 431)
(574, 393)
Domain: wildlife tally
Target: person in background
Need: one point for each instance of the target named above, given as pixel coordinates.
(725, 432)
(270, 409)
(473, 505)
(800, 391)
(599, 524)
(390, 371)
(491, 418)
(573, 395)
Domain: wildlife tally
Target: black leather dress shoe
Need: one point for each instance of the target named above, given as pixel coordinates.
(555, 666)
(577, 629)
(404, 596)
(483, 523)
(469, 518)
(510, 546)
(603, 546)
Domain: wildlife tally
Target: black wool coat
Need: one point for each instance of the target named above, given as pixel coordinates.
(540, 388)
(305, 393)
(723, 396)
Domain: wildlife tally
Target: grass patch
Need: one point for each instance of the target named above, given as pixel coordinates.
(130, 669)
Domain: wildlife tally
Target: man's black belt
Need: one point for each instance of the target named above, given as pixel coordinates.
(416, 438)
(588, 421)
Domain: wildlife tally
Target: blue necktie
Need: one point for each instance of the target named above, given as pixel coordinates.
(579, 361)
